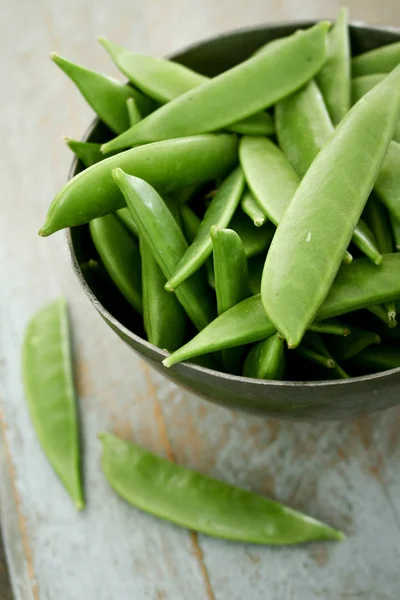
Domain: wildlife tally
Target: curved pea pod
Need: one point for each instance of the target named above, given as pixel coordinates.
(309, 244)
(49, 388)
(231, 281)
(380, 60)
(356, 286)
(335, 76)
(365, 240)
(315, 357)
(167, 166)
(387, 185)
(105, 95)
(164, 318)
(252, 209)
(251, 86)
(395, 230)
(266, 360)
(361, 85)
(159, 229)
(163, 80)
(219, 213)
(359, 339)
(331, 327)
(201, 503)
(119, 253)
(378, 359)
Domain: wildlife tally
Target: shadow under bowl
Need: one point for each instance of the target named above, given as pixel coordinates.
(326, 400)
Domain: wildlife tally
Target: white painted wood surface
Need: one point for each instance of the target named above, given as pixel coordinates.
(346, 473)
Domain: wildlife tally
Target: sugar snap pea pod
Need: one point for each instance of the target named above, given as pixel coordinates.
(190, 226)
(387, 185)
(378, 359)
(380, 60)
(251, 86)
(161, 232)
(88, 152)
(49, 388)
(252, 209)
(365, 240)
(383, 315)
(315, 357)
(105, 95)
(219, 213)
(266, 360)
(395, 231)
(356, 286)
(164, 318)
(344, 348)
(200, 503)
(334, 77)
(332, 327)
(119, 253)
(308, 246)
(163, 80)
(134, 113)
(167, 166)
(231, 282)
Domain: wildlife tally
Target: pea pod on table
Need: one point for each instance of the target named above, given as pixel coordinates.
(380, 60)
(309, 244)
(201, 503)
(159, 229)
(167, 166)
(356, 286)
(49, 387)
(105, 95)
(266, 360)
(219, 213)
(231, 281)
(251, 86)
(163, 80)
(334, 77)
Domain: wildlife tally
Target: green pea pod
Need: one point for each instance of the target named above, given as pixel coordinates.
(387, 185)
(200, 503)
(119, 253)
(164, 318)
(272, 179)
(383, 315)
(378, 359)
(315, 357)
(331, 327)
(219, 213)
(266, 360)
(395, 230)
(190, 222)
(356, 286)
(252, 209)
(231, 282)
(361, 85)
(88, 152)
(134, 113)
(317, 227)
(251, 86)
(334, 77)
(105, 95)
(359, 339)
(167, 166)
(314, 345)
(163, 80)
(49, 387)
(161, 232)
(256, 240)
(378, 220)
(380, 60)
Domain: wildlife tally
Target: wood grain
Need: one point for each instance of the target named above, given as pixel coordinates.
(345, 473)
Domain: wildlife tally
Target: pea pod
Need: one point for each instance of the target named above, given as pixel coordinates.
(252, 209)
(361, 85)
(315, 350)
(159, 229)
(356, 286)
(88, 153)
(379, 60)
(231, 281)
(382, 314)
(219, 213)
(266, 360)
(256, 240)
(315, 357)
(344, 348)
(395, 230)
(273, 180)
(120, 255)
(331, 327)
(201, 503)
(50, 394)
(251, 86)
(167, 166)
(334, 77)
(378, 359)
(309, 244)
(163, 80)
(105, 95)
(134, 113)
(387, 185)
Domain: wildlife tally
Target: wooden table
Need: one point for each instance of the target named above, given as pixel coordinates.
(345, 473)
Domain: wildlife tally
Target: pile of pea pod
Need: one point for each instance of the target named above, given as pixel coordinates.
(242, 215)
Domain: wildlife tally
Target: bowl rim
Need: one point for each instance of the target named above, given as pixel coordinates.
(109, 317)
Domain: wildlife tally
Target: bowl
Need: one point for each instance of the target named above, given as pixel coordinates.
(313, 400)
